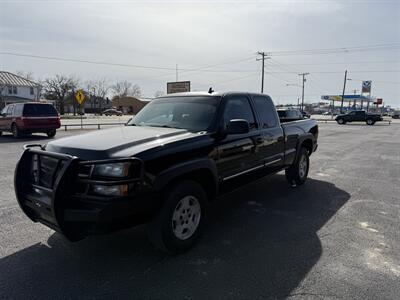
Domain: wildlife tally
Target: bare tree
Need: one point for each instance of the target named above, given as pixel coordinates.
(125, 88)
(158, 94)
(136, 91)
(57, 88)
(26, 75)
(98, 90)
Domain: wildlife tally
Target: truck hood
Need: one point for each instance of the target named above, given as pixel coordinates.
(117, 142)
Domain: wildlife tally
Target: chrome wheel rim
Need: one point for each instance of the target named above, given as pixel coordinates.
(369, 121)
(186, 217)
(302, 166)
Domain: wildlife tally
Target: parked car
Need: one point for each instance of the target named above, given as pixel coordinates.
(305, 114)
(30, 117)
(174, 157)
(396, 115)
(289, 115)
(112, 112)
(358, 116)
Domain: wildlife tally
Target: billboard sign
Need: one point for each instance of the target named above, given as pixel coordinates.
(178, 87)
(366, 87)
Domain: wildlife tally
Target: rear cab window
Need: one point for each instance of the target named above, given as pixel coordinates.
(39, 110)
(266, 112)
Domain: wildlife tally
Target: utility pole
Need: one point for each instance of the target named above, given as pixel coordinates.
(344, 88)
(176, 73)
(264, 56)
(302, 93)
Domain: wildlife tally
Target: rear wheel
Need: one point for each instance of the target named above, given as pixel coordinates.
(15, 131)
(370, 122)
(177, 225)
(298, 172)
(51, 133)
(340, 121)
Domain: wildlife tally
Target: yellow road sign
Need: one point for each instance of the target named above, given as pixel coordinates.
(80, 97)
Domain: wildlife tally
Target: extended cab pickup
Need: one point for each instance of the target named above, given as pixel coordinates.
(358, 116)
(174, 157)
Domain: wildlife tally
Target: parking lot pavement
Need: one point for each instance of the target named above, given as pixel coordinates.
(335, 237)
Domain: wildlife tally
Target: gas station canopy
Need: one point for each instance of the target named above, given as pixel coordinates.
(348, 98)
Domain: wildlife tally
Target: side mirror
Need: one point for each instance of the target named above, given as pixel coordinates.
(127, 122)
(237, 126)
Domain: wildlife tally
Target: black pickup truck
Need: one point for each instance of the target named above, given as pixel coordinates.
(163, 168)
(358, 116)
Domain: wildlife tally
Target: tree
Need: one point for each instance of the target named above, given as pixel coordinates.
(158, 94)
(26, 75)
(124, 88)
(57, 88)
(98, 90)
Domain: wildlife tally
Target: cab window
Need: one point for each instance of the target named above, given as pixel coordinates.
(238, 107)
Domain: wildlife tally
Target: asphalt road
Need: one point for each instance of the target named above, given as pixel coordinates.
(338, 236)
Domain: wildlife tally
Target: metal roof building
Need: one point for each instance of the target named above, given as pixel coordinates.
(14, 88)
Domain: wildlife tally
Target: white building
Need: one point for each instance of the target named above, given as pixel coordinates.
(14, 88)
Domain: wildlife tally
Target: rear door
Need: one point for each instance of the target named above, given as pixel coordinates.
(237, 153)
(360, 116)
(271, 149)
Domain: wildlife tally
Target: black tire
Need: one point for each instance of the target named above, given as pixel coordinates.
(340, 121)
(370, 122)
(298, 172)
(51, 133)
(15, 131)
(162, 231)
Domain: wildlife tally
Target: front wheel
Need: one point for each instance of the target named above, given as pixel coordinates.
(298, 172)
(15, 131)
(341, 121)
(177, 225)
(370, 122)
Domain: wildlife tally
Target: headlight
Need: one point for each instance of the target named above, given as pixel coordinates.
(110, 190)
(112, 170)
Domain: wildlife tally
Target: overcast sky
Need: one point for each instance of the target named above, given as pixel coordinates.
(218, 39)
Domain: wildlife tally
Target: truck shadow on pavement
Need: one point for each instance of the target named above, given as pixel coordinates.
(260, 242)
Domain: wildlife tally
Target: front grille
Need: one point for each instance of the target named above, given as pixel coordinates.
(45, 170)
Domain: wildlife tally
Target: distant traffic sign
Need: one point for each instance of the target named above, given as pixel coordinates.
(80, 97)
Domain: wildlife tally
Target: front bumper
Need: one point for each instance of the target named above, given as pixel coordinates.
(58, 197)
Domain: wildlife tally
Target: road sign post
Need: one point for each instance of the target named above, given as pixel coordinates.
(80, 98)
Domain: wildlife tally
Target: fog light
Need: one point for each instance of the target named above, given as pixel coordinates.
(110, 190)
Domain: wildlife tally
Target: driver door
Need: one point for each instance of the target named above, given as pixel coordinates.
(237, 153)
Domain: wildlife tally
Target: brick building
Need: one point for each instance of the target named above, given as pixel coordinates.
(129, 105)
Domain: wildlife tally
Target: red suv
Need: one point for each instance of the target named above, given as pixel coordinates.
(26, 118)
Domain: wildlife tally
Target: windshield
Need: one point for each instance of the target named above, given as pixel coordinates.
(190, 113)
